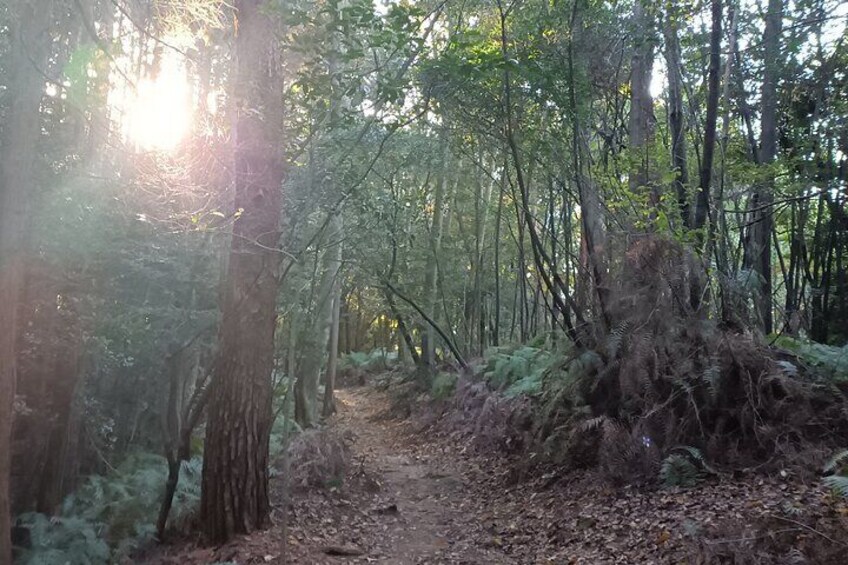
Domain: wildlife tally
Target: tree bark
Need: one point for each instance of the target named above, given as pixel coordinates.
(30, 41)
(428, 337)
(642, 120)
(676, 115)
(313, 342)
(332, 364)
(702, 199)
(758, 248)
(234, 495)
(329, 406)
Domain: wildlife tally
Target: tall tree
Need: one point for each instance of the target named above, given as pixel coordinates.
(234, 495)
(758, 248)
(676, 114)
(642, 120)
(29, 27)
(702, 198)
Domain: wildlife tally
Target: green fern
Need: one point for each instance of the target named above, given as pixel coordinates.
(831, 360)
(838, 483)
(837, 466)
(117, 512)
(59, 541)
(835, 463)
(685, 468)
(517, 371)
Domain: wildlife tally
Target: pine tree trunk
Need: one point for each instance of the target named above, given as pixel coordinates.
(234, 496)
(28, 30)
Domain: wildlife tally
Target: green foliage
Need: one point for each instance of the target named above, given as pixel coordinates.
(684, 468)
(830, 360)
(837, 466)
(58, 541)
(444, 385)
(111, 516)
(376, 360)
(517, 371)
(838, 483)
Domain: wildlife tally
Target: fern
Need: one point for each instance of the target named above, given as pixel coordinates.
(838, 483)
(686, 468)
(58, 541)
(377, 359)
(443, 386)
(831, 360)
(837, 466)
(615, 338)
(711, 378)
(836, 462)
(518, 371)
(116, 512)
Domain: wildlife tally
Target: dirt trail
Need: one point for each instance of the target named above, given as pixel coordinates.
(424, 510)
(412, 496)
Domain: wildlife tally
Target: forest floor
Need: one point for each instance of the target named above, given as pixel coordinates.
(414, 495)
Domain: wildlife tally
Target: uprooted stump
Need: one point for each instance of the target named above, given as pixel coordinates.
(661, 380)
(666, 377)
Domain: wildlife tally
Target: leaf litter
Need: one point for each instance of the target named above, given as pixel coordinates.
(416, 492)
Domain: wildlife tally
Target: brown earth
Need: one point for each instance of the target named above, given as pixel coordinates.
(415, 496)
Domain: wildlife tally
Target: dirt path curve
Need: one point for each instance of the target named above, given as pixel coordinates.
(422, 510)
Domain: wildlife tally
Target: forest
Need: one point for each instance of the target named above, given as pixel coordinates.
(423, 281)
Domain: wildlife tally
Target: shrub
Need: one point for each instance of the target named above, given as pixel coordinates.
(115, 513)
(444, 385)
(58, 541)
(371, 361)
(519, 370)
(830, 360)
(318, 458)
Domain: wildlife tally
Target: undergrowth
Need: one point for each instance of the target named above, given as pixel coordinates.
(110, 516)
(837, 473)
(518, 370)
(830, 360)
(662, 377)
(369, 362)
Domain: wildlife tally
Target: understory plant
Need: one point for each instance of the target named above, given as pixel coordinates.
(837, 473)
(110, 516)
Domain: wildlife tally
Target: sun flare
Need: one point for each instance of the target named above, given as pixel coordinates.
(159, 114)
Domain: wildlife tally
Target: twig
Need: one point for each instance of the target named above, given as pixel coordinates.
(810, 529)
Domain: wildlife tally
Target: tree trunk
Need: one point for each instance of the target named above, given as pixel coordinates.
(234, 496)
(332, 363)
(676, 115)
(329, 407)
(702, 199)
(758, 248)
(428, 337)
(30, 41)
(642, 120)
(313, 343)
(592, 234)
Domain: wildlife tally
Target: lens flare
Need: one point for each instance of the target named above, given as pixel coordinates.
(159, 115)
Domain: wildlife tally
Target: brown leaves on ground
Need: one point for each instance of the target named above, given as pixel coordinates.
(414, 496)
